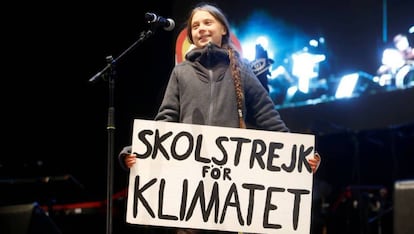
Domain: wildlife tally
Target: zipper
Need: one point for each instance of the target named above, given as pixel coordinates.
(211, 106)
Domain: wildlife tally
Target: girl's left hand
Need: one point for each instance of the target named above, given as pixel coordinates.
(314, 162)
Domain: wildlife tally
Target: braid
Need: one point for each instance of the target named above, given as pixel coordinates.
(235, 71)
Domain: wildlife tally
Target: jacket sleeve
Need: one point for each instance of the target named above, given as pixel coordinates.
(124, 152)
(260, 108)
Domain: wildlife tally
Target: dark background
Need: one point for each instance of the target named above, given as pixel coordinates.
(55, 119)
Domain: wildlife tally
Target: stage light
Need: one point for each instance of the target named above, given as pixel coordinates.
(305, 67)
(356, 83)
(347, 85)
(313, 43)
(249, 46)
(411, 29)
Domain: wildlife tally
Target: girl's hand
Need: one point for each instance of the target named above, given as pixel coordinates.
(130, 160)
(314, 162)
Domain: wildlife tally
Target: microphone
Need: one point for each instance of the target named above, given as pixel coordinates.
(168, 24)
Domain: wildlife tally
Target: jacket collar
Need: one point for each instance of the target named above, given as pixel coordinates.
(208, 55)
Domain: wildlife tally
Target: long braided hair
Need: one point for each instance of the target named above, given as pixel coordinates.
(234, 55)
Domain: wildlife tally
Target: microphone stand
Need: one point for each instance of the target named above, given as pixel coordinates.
(109, 73)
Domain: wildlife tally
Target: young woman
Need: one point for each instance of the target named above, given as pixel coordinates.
(215, 86)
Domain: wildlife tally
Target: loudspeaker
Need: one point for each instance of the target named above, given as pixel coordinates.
(404, 207)
(26, 219)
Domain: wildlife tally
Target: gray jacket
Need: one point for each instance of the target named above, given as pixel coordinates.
(201, 91)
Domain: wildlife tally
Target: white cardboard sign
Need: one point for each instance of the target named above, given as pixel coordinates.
(218, 178)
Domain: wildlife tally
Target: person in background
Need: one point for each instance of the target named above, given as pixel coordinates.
(405, 74)
(260, 66)
(403, 45)
(397, 67)
(215, 86)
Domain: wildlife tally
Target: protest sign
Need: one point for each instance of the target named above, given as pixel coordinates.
(219, 178)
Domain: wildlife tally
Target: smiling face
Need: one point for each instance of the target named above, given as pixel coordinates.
(206, 28)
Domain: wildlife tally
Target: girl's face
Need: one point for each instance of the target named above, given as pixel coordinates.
(205, 28)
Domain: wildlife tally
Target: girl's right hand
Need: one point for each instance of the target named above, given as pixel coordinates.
(130, 160)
